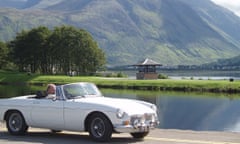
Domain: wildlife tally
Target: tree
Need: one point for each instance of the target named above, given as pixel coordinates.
(62, 43)
(18, 51)
(3, 54)
(92, 57)
(41, 54)
(75, 50)
(62, 50)
(29, 49)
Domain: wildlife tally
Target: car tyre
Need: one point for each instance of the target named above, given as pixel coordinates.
(100, 128)
(139, 135)
(16, 124)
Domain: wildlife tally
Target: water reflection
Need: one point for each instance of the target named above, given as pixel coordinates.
(191, 111)
(199, 113)
(176, 110)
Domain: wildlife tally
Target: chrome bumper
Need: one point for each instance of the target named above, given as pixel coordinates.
(140, 127)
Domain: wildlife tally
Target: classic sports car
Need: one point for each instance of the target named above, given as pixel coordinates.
(79, 107)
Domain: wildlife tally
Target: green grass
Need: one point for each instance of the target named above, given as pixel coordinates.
(123, 83)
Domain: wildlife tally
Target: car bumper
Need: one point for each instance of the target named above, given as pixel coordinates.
(141, 127)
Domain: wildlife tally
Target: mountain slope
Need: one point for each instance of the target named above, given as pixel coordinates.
(168, 31)
(12, 3)
(191, 35)
(217, 16)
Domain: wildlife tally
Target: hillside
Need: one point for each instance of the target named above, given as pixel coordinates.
(224, 64)
(169, 31)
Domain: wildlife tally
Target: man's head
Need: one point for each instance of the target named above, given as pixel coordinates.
(51, 89)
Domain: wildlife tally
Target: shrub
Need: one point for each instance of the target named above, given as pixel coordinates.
(162, 76)
(121, 74)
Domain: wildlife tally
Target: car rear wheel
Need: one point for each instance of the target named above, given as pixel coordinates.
(16, 124)
(100, 128)
(139, 135)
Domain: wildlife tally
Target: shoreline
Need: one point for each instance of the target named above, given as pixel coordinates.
(178, 85)
(211, 86)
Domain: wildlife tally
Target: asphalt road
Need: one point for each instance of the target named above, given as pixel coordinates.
(158, 136)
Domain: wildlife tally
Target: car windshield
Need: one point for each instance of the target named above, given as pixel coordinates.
(79, 90)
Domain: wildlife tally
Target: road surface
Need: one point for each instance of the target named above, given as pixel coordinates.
(158, 136)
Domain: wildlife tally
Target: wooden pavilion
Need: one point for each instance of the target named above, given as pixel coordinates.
(147, 69)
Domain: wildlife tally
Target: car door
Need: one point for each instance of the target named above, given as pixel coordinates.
(75, 114)
(48, 113)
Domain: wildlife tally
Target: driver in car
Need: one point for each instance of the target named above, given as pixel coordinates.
(51, 91)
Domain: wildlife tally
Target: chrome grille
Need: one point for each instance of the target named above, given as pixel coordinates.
(145, 119)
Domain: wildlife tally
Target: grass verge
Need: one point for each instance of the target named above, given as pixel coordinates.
(123, 83)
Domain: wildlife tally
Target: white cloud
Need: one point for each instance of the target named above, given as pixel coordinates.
(233, 5)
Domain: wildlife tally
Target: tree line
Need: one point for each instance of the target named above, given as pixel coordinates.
(61, 50)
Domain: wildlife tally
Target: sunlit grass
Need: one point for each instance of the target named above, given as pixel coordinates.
(124, 83)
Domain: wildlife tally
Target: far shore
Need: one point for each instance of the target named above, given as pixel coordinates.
(185, 85)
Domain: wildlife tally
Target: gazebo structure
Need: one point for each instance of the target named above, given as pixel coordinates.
(147, 69)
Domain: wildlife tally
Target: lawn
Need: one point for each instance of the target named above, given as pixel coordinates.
(124, 83)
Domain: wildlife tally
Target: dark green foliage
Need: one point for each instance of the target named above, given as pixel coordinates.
(162, 76)
(63, 50)
(112, 74)
(121, 74)
(3, 54)
(30, 49)
(75, 50)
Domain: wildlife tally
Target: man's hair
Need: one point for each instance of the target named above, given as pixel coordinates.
(50, 85)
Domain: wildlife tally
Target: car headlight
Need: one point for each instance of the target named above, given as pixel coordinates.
(154, 107)
(120, 113)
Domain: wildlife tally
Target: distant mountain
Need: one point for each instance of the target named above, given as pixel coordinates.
(19, 4)
(225, 64)
(170, 32)
(220, 19)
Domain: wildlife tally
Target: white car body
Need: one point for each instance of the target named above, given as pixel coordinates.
(74, 112)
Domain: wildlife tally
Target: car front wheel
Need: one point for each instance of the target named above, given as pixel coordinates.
(139, 135)
(16, 124)
(100, 128)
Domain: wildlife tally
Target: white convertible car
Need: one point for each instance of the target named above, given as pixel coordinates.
(79, 107)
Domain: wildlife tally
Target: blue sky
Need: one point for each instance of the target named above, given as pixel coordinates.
(233, 5)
